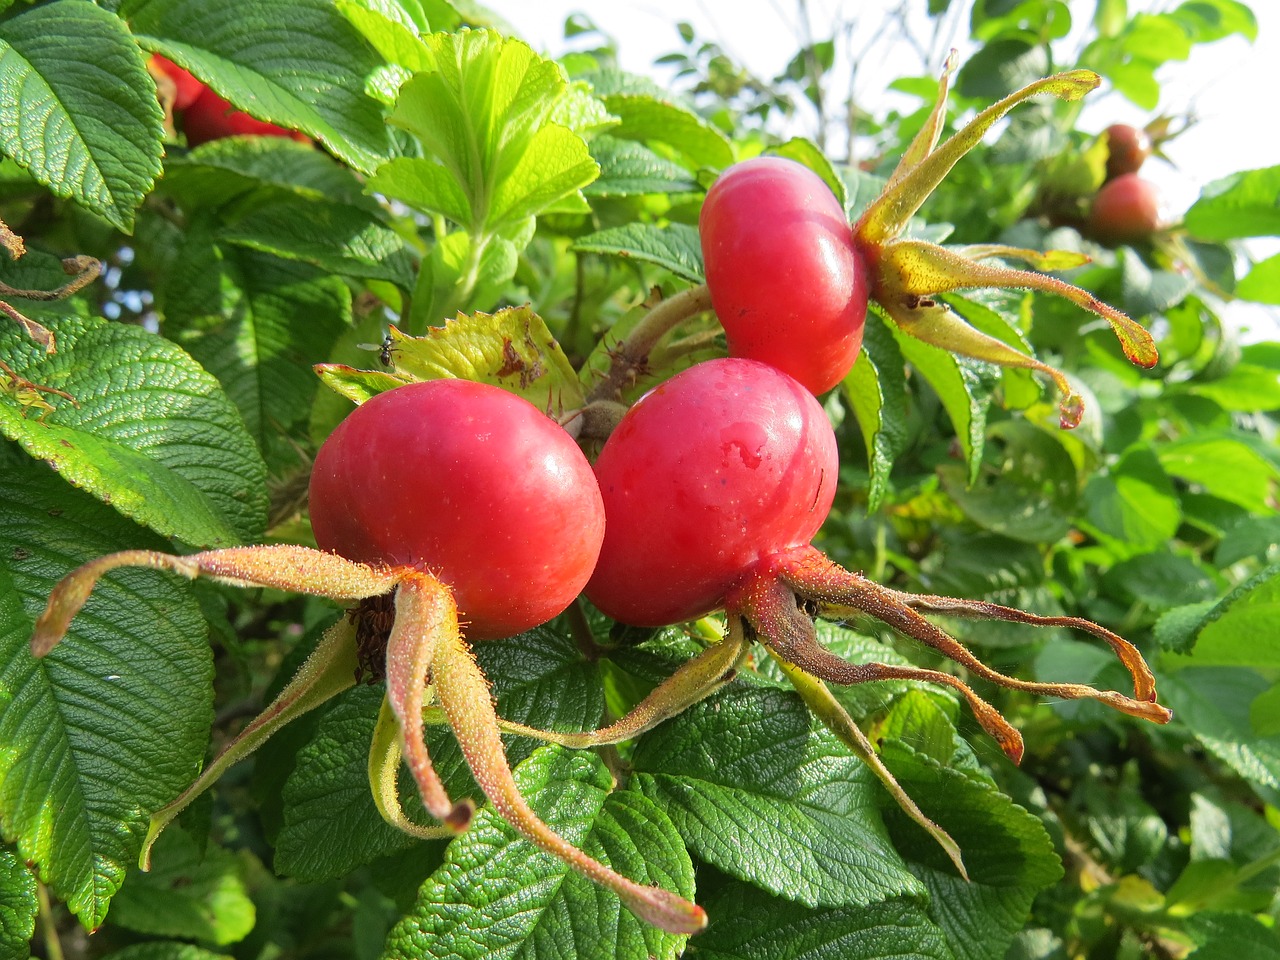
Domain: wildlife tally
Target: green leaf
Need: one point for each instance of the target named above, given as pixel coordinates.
(18, 905)
(963, 386)
(1133, 505)
(336, 237)
(1225, 465)
(674, 246)
(188, 893)
(1007, 850)
(1262, 283)
(649, 114)
(1247, 388)
(1146, 291)
(220, 172)
(78, 109)
(1160, 579)
(113, 723)
(256, 322)
(152, 434)
(1001, 67)
(1250, 537)
(391, 32)
(165, 950)
(1230, 936)
(630, 169)
(1243, 629)
(512, 349)
(1244, 204)
(1027, 491)
(876, 390)
(297, 63)
(483, 115)
(760, 794)
(1177, 627)
(1209, 20)
(496, 895)
(749, 924)
(1213, 704)
(331, 825)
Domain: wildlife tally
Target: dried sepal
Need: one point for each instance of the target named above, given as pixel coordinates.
(819, 699)
(770, 606)
(907, 275)
(385, 756)
(426, 617)
(888, 214)
(464, 694)
(840, 593)
(283, 566)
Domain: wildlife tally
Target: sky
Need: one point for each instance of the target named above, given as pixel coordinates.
(1228, 85)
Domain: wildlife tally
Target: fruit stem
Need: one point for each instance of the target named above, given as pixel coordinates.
(631, 355)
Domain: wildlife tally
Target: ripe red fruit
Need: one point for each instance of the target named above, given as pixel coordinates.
(186, 87)
(1128, 147)
(1125, 210)
(725, 463)
(470, 483)
(210, 117)
(786, 280)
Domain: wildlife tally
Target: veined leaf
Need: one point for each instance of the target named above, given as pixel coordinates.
(963, 386)
(1244, 204)
(673, 247)
(512, 349)
(749, 924)
(222, 171)
(338, 238)
(628, 168)
(297, 63)
(496, 895)
(331, 825)
(190, 892)
(144, 429)
(78, 109)
(256, 322)
(776, 802)
(876, 389)
(18, 906)
(165, 950)
(113, 723)
(1240, 630)
(483, 114)
(649, 114)
(1007, 850)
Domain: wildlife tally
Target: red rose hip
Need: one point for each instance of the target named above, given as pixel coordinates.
(471, 484)
(786, 280)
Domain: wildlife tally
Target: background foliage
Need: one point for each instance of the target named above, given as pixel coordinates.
(462, 172)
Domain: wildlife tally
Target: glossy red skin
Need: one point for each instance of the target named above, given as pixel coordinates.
(726, 463)
(1125, 210)
(210, 117)
(1127, 149)
(472, 484)
(186, 87)
(786, 280)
